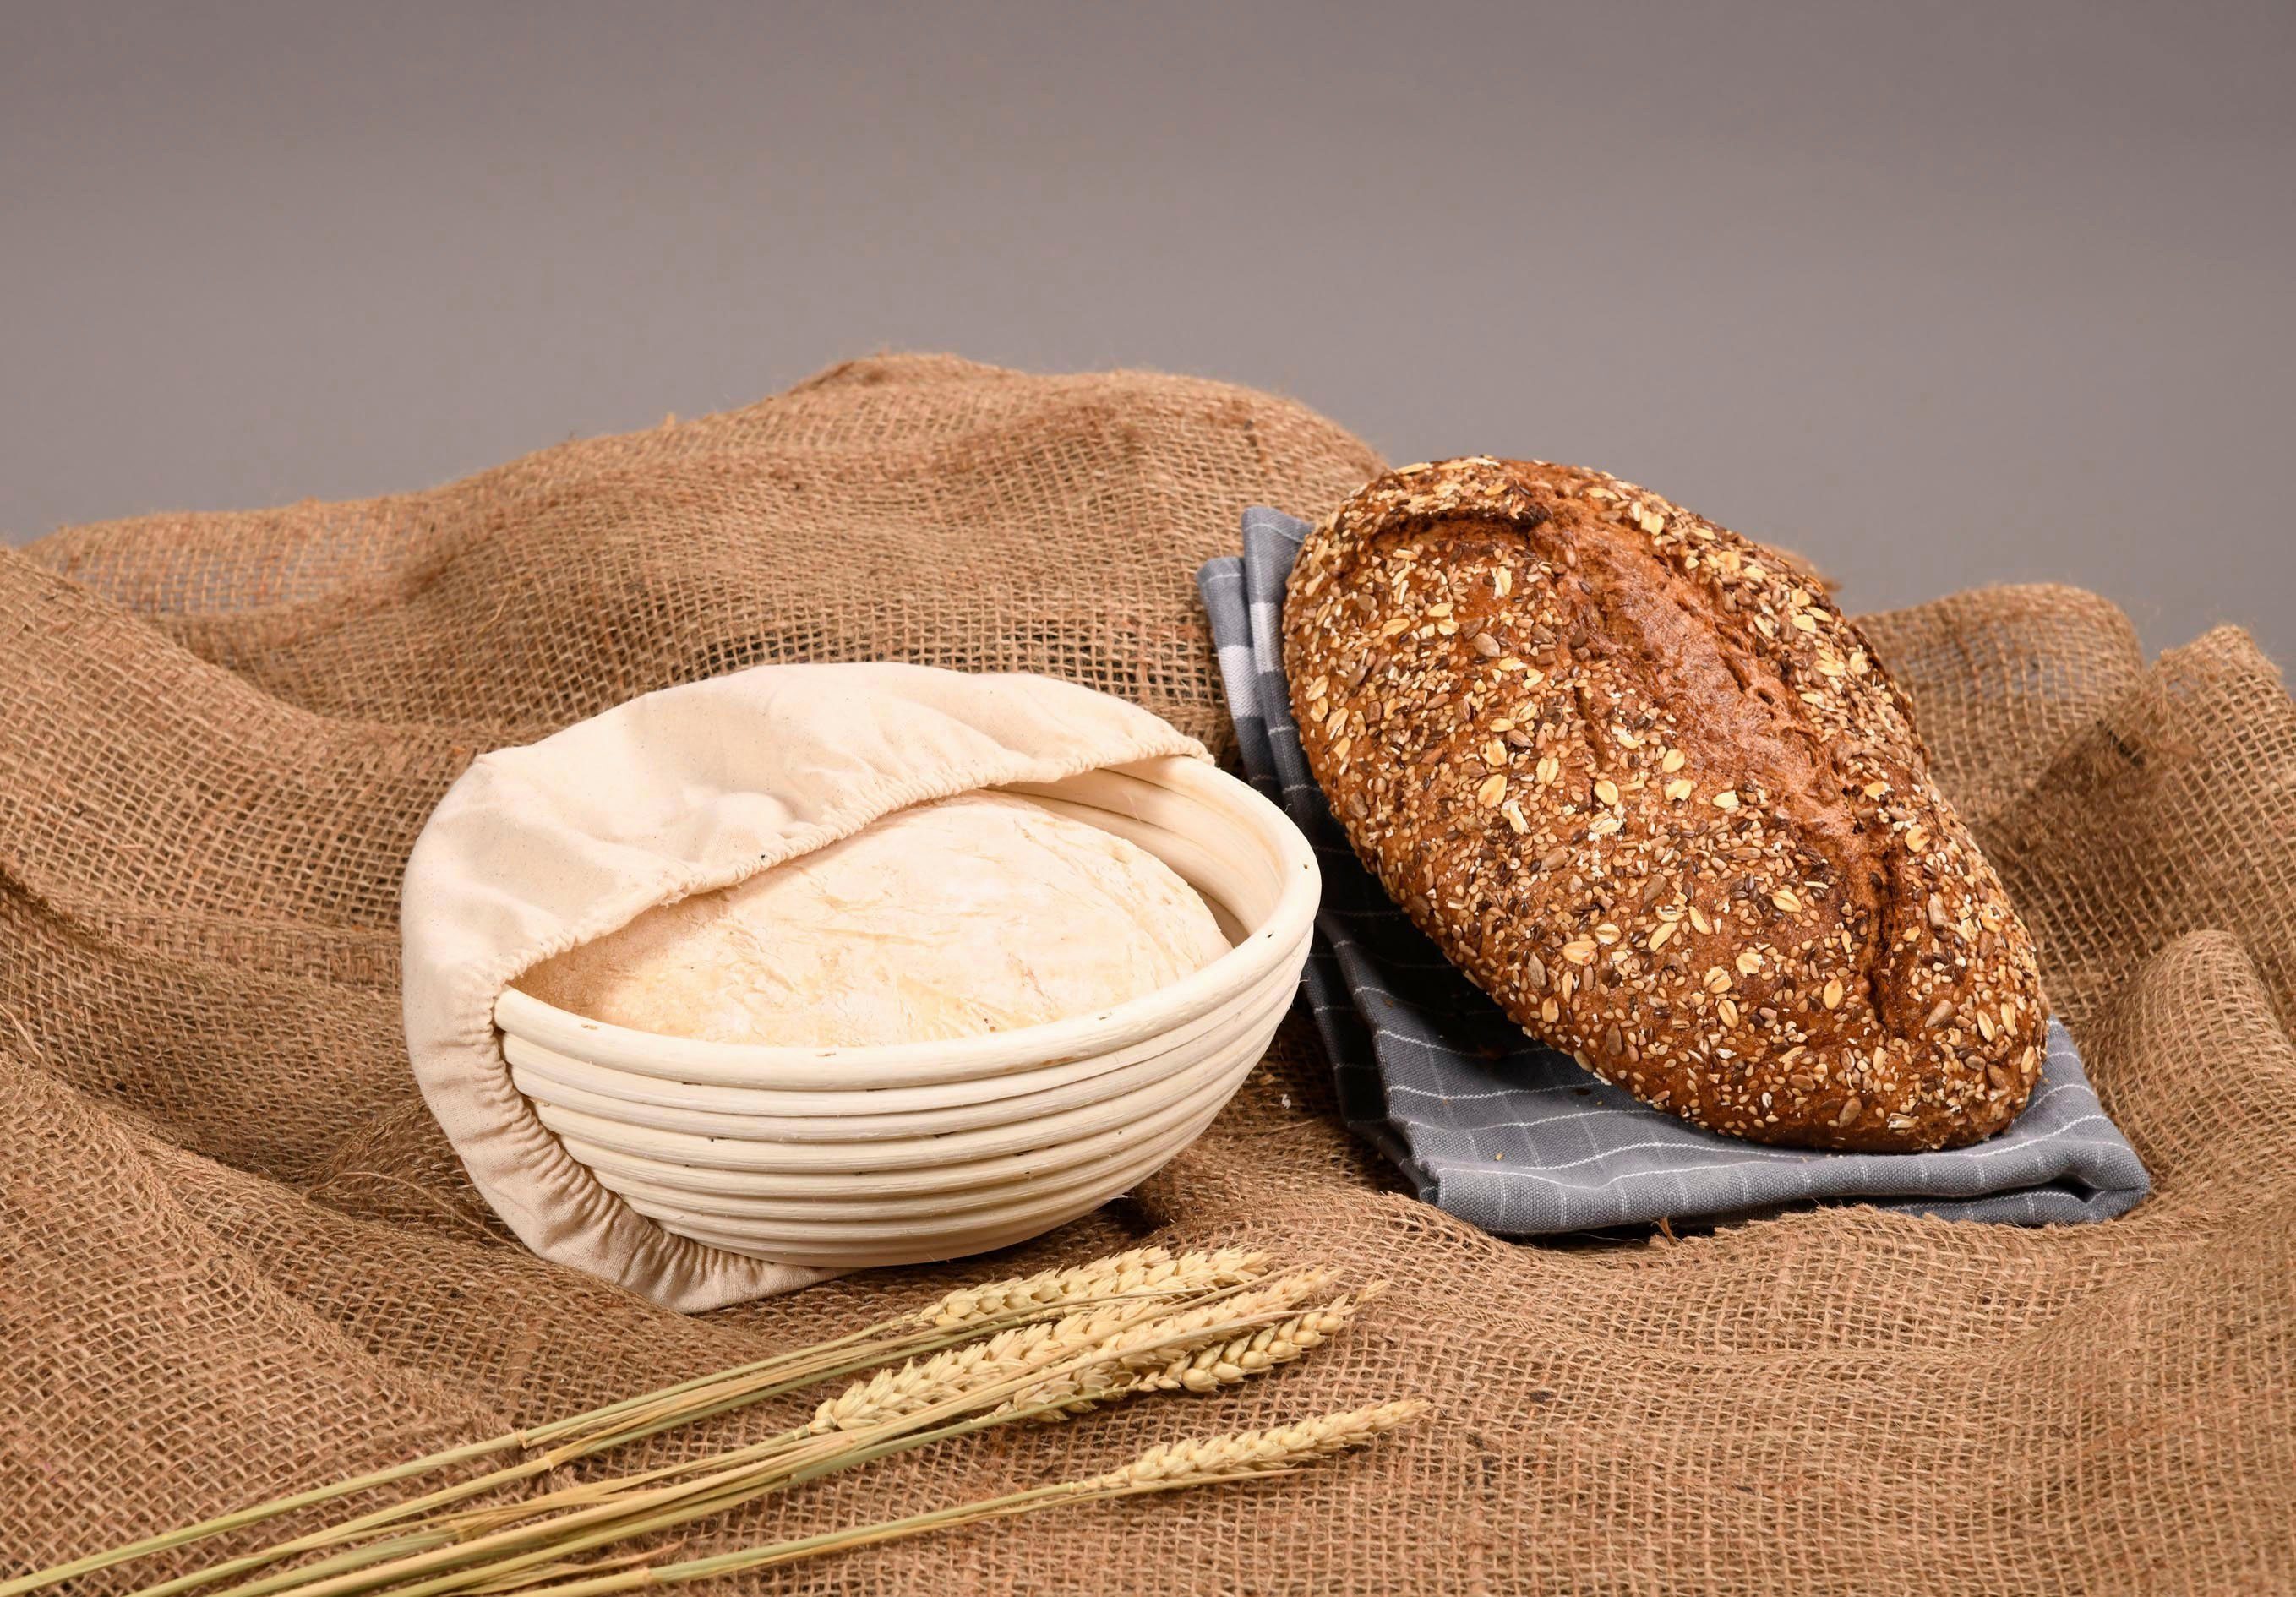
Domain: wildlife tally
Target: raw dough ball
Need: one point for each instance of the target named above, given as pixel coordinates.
(977, 914)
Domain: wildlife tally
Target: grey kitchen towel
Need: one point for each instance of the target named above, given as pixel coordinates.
(1512, 1136)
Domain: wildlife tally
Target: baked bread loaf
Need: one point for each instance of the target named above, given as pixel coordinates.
(979, 913)
(1654, 794)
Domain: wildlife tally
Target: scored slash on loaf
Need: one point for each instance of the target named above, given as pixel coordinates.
(1648, 788)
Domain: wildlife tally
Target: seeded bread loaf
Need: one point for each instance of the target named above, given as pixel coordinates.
(1654, 793)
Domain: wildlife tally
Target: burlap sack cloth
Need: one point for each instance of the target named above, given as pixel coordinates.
(236, 1254)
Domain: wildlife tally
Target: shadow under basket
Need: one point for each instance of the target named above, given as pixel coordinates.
(902, 1153)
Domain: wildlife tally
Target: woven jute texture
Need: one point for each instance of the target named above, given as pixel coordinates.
(237, 1254)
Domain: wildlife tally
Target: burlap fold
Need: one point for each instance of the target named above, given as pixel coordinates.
(237, 1254)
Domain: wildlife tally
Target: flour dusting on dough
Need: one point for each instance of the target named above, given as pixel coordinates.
(979, 913)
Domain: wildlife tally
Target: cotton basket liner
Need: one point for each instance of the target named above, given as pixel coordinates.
(536, 849)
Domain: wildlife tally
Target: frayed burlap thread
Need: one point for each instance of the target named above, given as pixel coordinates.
(237, 1257)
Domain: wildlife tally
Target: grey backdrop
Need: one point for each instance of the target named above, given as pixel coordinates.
(1940, 294)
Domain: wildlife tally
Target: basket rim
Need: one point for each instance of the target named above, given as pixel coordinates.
(1251, 961)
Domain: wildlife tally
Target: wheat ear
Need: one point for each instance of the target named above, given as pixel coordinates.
(925, 1384)
(1093, 1357)
(1077, 1360)
(1247, 1452)
(1143, 1270)
(1134, 1354)
(1219, 1363)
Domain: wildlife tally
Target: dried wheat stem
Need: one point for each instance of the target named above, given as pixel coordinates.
(1141, 1282)
(1094, 1356)
(1171, 1467)
(1141, 1335)
(783, 1372)
(892, 1408)
(1074, 1362)
(1143, 1273)
(1146, 1346)
(705, 1398)
(540, 1573)
(612, 1515)
(899, 1401)
(1149, 1269)
(185, 1535)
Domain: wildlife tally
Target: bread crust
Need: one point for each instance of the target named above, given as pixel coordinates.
(1641, 780)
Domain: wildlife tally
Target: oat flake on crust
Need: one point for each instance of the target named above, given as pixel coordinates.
(1648, 788)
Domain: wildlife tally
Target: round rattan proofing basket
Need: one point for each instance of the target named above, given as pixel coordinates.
(846, 1157)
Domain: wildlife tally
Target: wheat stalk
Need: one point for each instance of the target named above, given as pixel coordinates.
(910, 1399)
(1043, 1346)
(1145, 1275)
(1172, 1466)
(1031, 1371)
(1152, 1272)
(1081, 1358)
(953, 1381)
(700, 1400)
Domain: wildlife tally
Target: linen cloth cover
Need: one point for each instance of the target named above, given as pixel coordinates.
(536, 849)
(238, 1256)
(1513, 1137)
